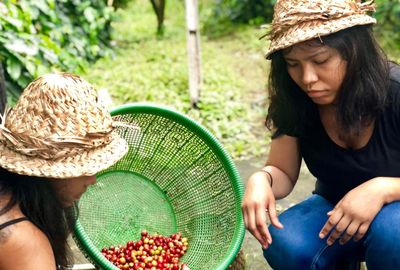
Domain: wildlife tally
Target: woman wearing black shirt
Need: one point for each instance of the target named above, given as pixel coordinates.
(335, 102)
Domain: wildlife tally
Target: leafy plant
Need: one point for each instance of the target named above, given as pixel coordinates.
(388, 26)
(119, 3)
(43, 35)
(225, 12)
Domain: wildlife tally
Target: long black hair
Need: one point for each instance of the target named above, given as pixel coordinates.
(38, 201)
(363, 90)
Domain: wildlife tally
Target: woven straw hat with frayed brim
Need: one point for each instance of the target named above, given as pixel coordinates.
(296, 21)
(59, 129)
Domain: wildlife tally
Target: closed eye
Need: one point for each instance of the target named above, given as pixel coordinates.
(291, 64)
(321, 61)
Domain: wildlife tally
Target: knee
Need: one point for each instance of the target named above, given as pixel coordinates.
(382, 239)
(382, 232)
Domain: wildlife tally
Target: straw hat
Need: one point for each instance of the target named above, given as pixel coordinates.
(59, 129)
(300, 20)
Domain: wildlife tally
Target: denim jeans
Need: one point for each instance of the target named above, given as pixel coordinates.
(297, 246)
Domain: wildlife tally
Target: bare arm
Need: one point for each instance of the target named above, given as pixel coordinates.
(390, 187)
(283, 165)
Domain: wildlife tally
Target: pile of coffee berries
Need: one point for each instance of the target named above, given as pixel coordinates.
(151, 252)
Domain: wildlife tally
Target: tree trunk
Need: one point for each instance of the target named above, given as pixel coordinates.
(159, 8)
(3, 94)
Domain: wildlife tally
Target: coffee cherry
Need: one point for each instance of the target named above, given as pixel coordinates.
(151, 252)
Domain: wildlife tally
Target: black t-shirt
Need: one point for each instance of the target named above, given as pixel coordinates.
(338, 170)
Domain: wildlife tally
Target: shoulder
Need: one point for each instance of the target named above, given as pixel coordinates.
(394, 72)
(25, 238)
(394, 87)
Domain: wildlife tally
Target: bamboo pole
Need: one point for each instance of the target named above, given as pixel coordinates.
(193, 48)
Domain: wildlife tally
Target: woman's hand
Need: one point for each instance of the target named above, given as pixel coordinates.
(354, 213)
(259, 201)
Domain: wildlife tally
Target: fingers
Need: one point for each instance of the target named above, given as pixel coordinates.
(362, 230)
(344, 229)
(350, 218)
(338, 230)
(255, 222)
(262, 227)
(259, 196)
(249, 217)
(274, 217)
(349, 233)
(334, 218)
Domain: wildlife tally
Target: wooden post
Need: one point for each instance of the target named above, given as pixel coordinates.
(193, 48)
(3, 90)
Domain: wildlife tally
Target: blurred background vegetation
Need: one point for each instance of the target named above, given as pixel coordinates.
(122, 46)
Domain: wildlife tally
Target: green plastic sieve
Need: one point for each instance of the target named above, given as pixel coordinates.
(175, 177)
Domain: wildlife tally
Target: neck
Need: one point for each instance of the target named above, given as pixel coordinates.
(327, 111)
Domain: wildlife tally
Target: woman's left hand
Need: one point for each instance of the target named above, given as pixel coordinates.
(354, 213)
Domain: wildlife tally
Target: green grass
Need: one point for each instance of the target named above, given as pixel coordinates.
(148, 68)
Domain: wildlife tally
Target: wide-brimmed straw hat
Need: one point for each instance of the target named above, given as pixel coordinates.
(59, 129)
(296, 21)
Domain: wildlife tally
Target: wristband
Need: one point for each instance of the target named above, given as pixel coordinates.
(270, 176)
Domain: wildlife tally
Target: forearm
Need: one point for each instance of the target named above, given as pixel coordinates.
(282, 185)
(389, 187)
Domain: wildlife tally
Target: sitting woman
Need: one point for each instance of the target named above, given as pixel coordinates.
(52, 143)
(335, 103)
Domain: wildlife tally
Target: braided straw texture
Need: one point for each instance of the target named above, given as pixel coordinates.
(296, 21)
(59, 129)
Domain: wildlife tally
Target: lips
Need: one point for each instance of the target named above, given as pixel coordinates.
(316, 93)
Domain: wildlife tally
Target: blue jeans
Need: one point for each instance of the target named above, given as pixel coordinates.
(297, 246)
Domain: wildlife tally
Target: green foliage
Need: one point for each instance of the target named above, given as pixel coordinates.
(147, 68)
(388, 27)
(224, 12)
(43, 35)
(388, 11)
(120, 3)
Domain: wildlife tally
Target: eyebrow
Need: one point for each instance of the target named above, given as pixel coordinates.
(308, 57)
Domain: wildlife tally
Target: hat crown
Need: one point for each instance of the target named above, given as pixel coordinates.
(289, 13)
(56, 115)
(296, 21)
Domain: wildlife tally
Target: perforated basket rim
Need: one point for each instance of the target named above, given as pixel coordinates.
(95, 256)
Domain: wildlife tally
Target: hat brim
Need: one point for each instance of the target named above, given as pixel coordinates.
(314, 29)
(86, 164)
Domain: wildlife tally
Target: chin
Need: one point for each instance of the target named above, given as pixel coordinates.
(323, 102)
(68, 204)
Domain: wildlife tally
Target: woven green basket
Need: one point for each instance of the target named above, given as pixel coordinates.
(175, 177)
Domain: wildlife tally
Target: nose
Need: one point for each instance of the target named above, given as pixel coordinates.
(91, 180)
(309, 75)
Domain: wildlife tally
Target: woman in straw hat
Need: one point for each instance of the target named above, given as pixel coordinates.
(335, 102)
(52, 143)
